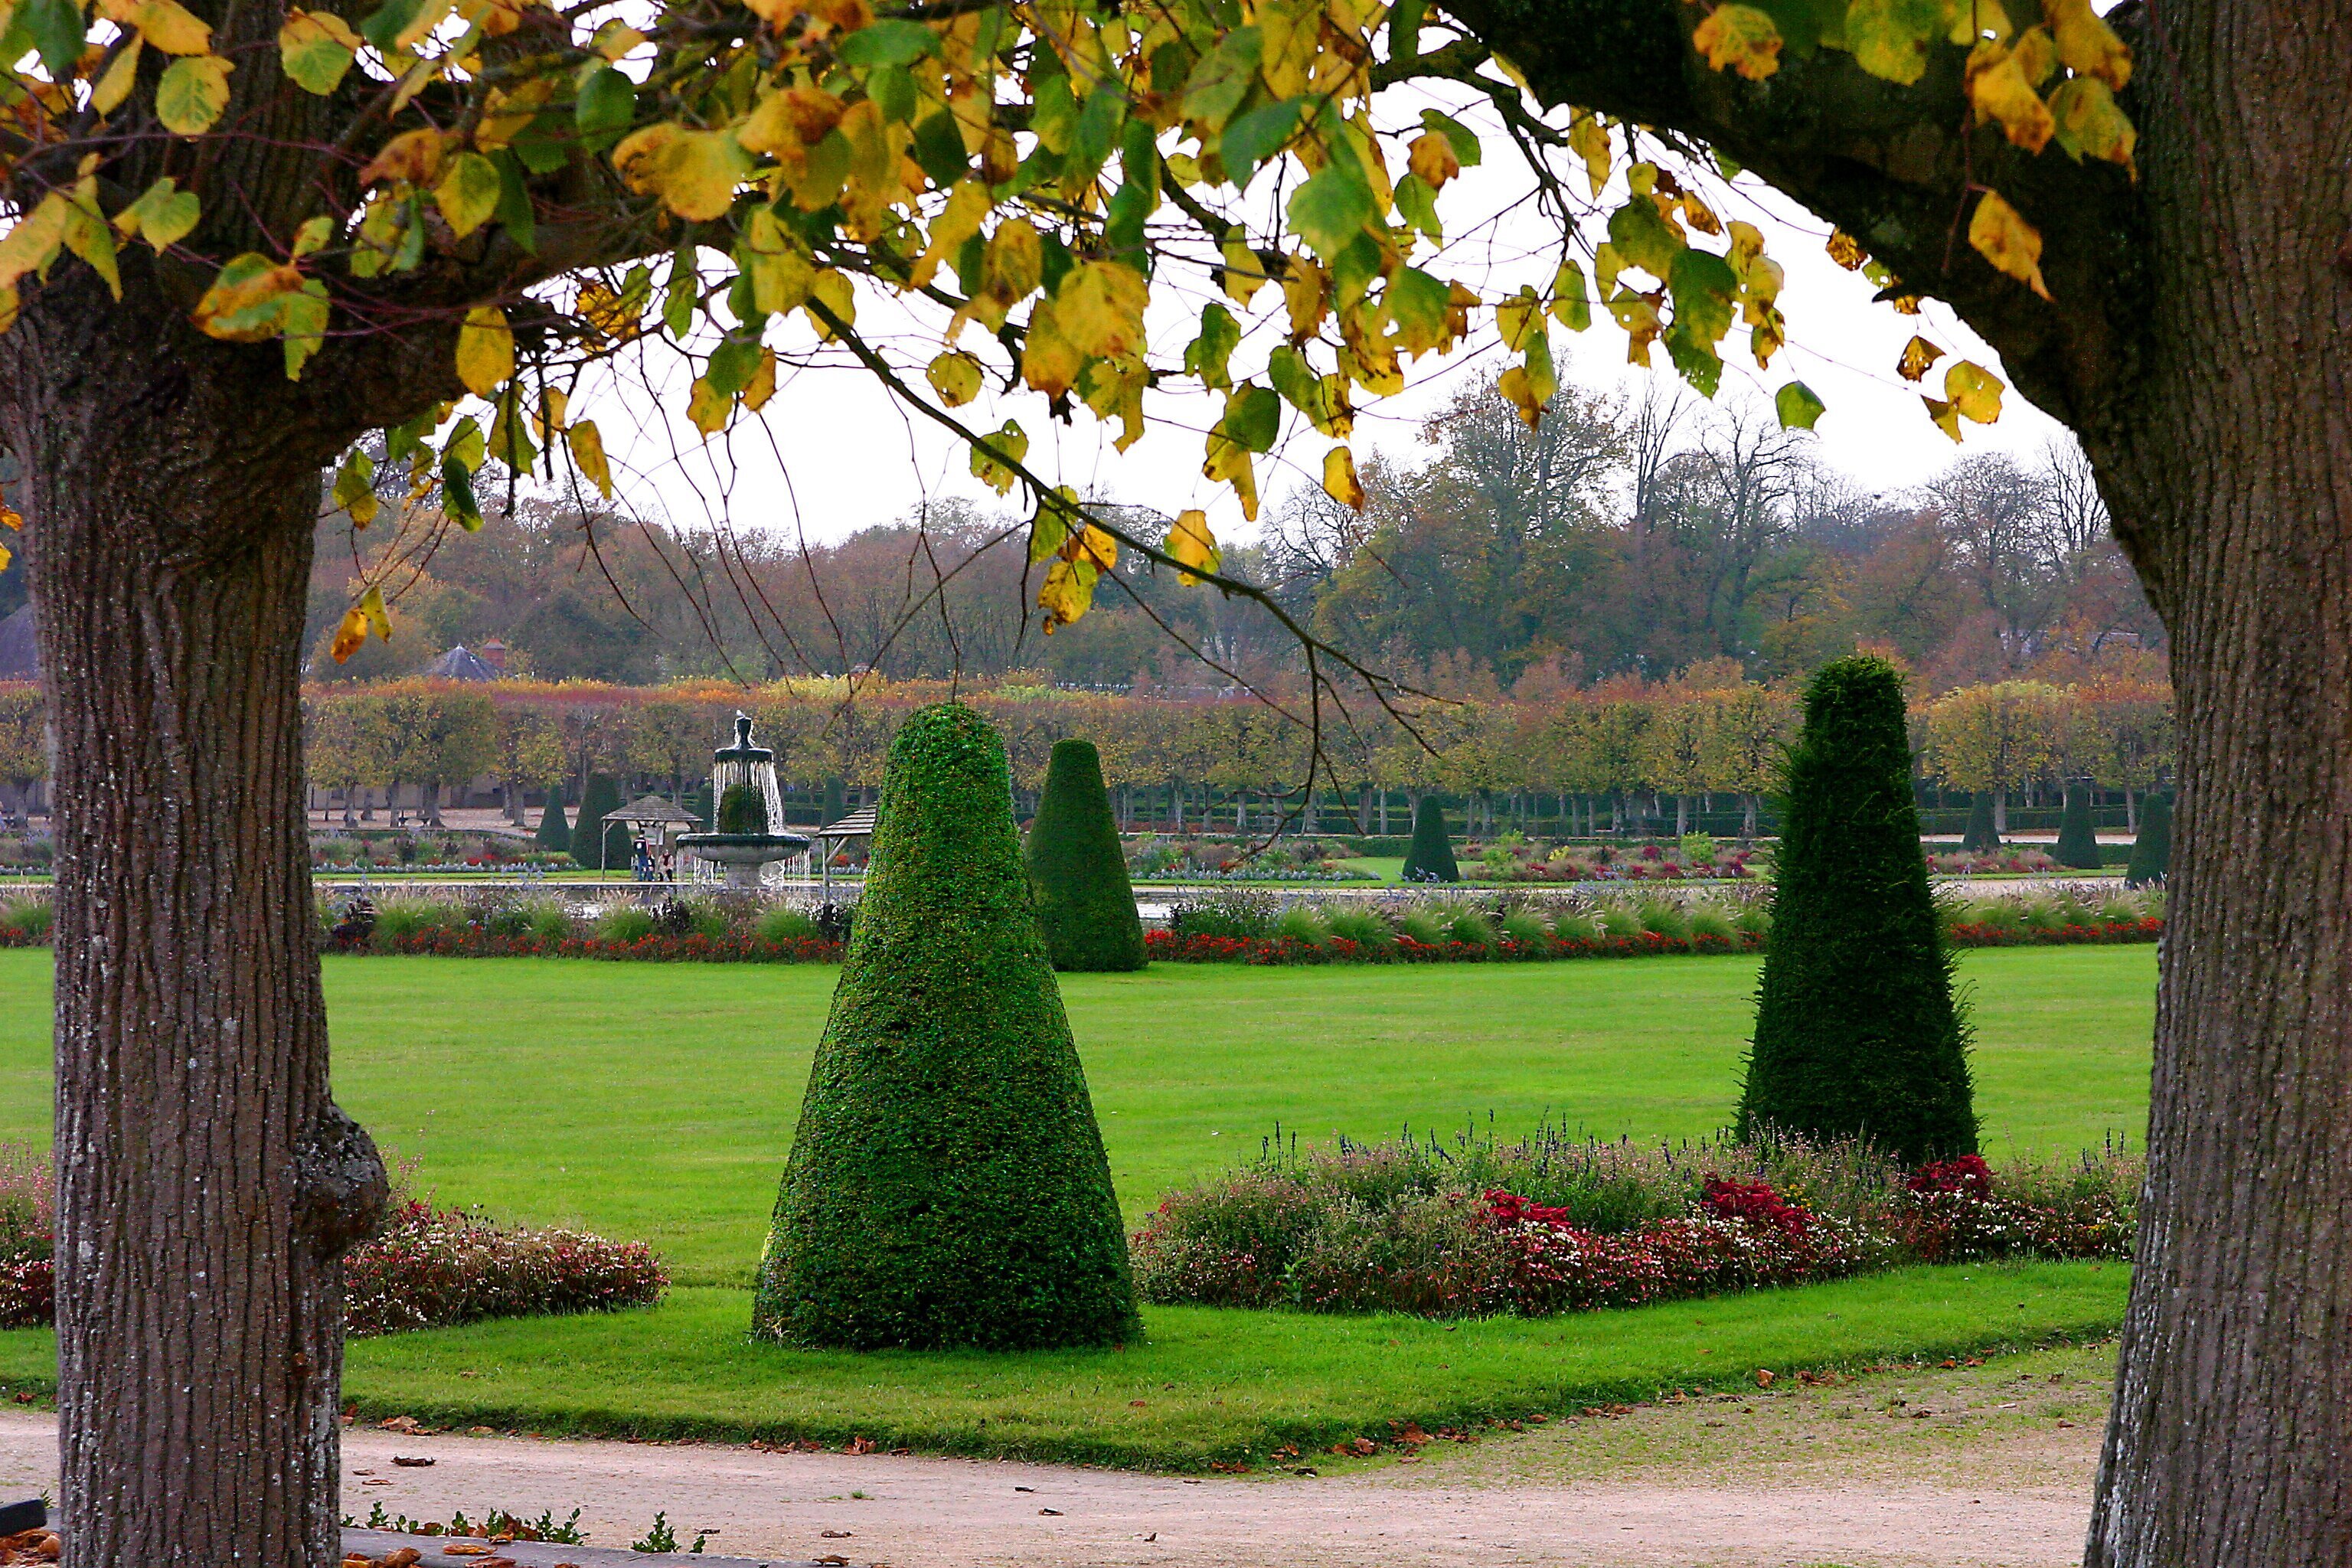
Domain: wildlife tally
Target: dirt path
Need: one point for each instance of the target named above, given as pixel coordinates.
(1852, 1476)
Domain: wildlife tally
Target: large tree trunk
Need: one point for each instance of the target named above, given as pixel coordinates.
(2231, 481)
(206, 1182)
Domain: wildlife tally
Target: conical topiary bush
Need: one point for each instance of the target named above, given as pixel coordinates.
(2151, 855)
(1857, 1034)
(2078, 844)
(1078, 872)
(1430, 856)
(1980, 838)
(947, 1185)
(554, 834)
(602, 796)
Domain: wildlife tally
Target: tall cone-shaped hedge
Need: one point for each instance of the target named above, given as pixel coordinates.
(601, 797)
(2078, 844)
(554, 834)
(1857, 1033)
(1430, 856)
(2151, 855)
(1980, 838)
(947, 1186)
(1078, 873)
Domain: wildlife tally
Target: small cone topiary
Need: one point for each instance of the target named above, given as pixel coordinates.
(1857, 1033)
(1078, 872)
(554, 834)
(835, 806)
(947, 1185)
(1980, 838)
(602, 796)
(2078, 844)
(2151, 855)
(1430, 856)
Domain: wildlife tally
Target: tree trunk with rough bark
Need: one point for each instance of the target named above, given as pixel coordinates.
(207, 1184)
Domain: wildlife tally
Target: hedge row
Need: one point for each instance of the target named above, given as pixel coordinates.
(1282, 950)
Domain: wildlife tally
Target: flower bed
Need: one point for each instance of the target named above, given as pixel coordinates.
(1398, 1228)
(467, 941)
(1203, 949)
(427, 1269)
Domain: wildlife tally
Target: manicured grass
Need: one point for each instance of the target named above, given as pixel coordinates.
(656, 1101)
(1206, 1385)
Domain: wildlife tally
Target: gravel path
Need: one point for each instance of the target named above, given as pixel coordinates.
(918, 1512)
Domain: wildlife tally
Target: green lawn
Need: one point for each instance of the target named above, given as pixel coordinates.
(656, 1101)
(1205, 1384)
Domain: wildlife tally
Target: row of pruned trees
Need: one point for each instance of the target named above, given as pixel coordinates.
(1591, 761)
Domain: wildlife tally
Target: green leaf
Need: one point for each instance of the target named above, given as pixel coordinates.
(1094, 135)
(1206, 356)
(1890, 37)
(1570, 306)
(191, 94)
(938, 148)
(1251, 139)
(163, 215)
(1294, 379)
(1417, 302)
(607, 102)
(887, 43)
(515, 215)
(1253, 416)
(1332, 207)
(1404, 28)
(679, 300)
(1219, 83)
(303, 318)
(892, 88)
(311, 53)
(1464, 141)
(465, 446)
(1704, 290)
(355, 479)
(1054, 113)
(1643, 239)
(1418, 203)
(1806, 25)
(732, 363)
(55, 26)
(458, 495)
(468, 193)
(387, 21)
(1798, 407)
(1694, 357)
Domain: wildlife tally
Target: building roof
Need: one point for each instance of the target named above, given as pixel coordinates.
(858, 824)
(462, 663)
(653, 809)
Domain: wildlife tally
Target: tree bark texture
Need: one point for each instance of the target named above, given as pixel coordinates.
(207, 1183)
(2199, 342)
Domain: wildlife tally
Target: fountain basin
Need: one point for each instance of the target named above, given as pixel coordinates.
(743, 853)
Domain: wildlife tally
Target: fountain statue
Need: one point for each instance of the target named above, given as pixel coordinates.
(749, 808)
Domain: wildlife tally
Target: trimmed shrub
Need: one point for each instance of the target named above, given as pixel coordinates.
(1857, 1033)
(743, 809)
(1980, 838)
(602, 796)
(2151, 855)
(835, 804)
(1431, 858)
(947, 1185)
(554, 834)
(2077, 847)
(1078, 872)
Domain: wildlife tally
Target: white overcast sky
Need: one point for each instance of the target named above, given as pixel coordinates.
(834, 451)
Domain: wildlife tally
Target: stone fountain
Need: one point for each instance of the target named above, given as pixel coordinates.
(749, 811)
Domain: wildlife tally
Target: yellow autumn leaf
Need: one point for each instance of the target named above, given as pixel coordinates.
(1243, 273)
(412, 155)
(486, 354)
(246, 302)
(1974, 391)
(708, 407)
(1050, 363)
(2088, 122)
(1741, 38)
(2087, 45)
(371, 611)
(1431, 156)
(1889, 37)
(169, 26)
(763, 384)
(350, 635)
(832, 290)
(1918, 354)
(2003, 236)
(780, 273)
(1844, 250)
(120, 79)
(588, 454)
(1192, 545)
(2001, 95)
(1067, 594)
(315, 50)
(1589, 140)
(1339, 481)
(968, 204)
(1947, 417)
(1099, 309)
(695, 173)
(1971, 20)
(955, 377)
